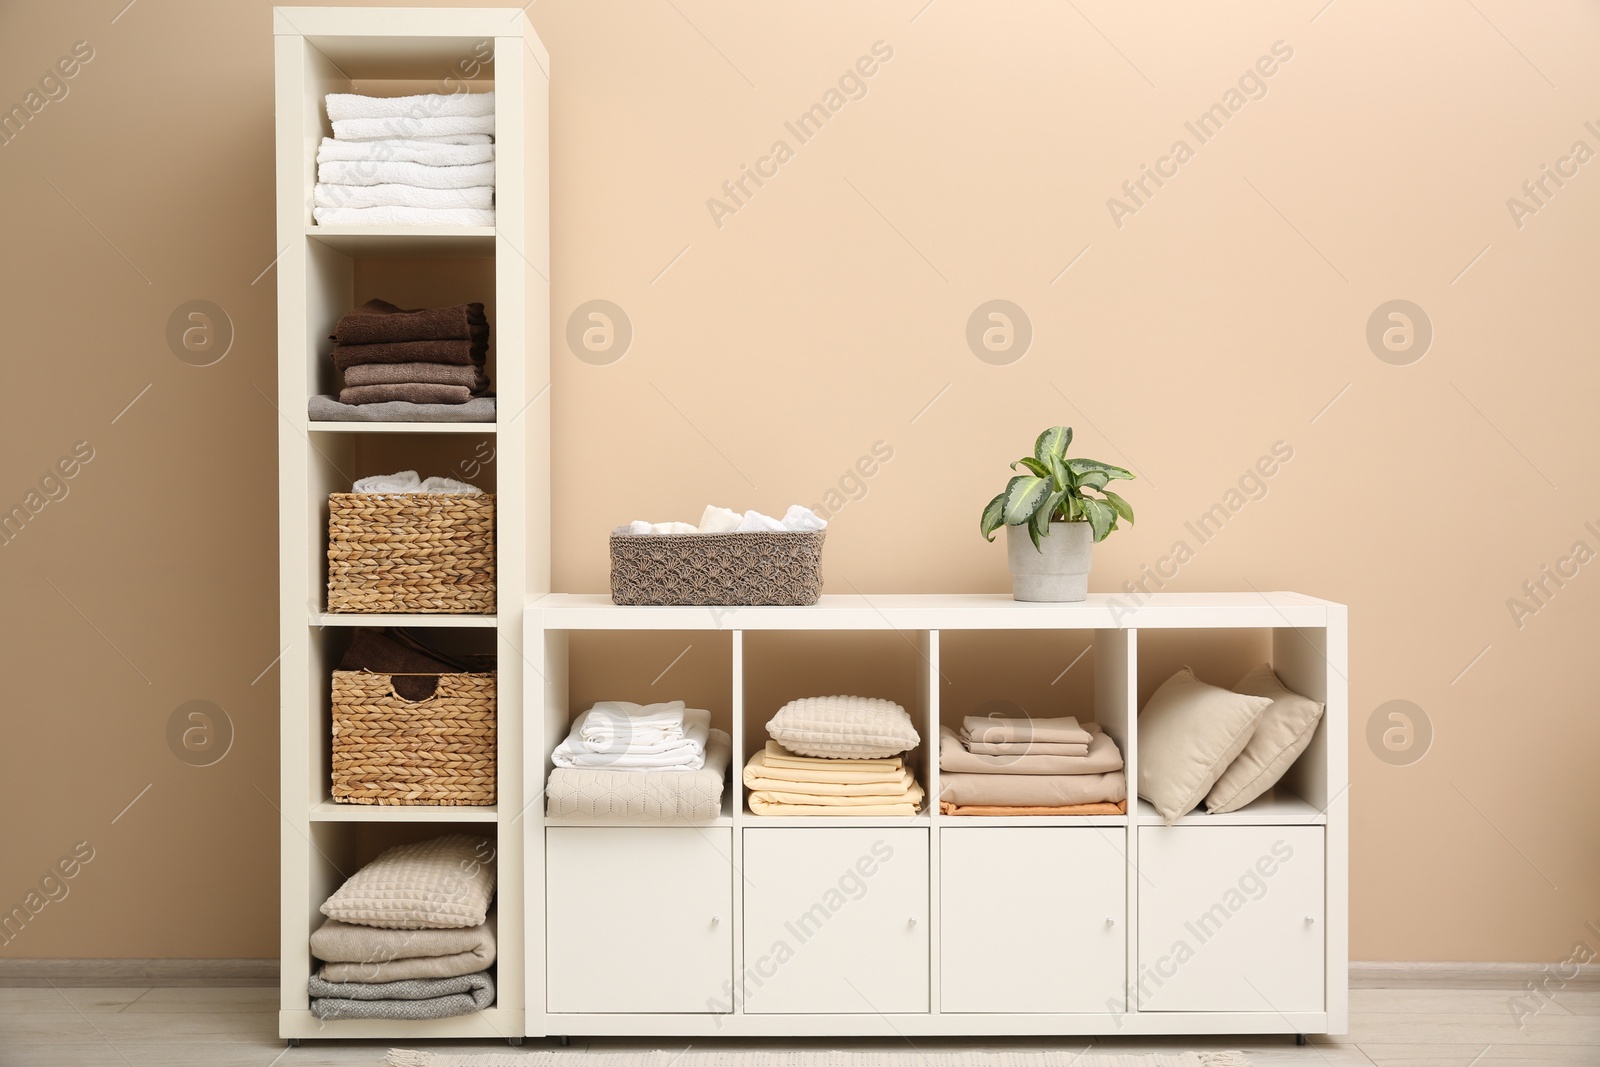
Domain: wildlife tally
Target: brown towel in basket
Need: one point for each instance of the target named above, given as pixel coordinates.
(433, 373)
(410, 392)
(398, 653)
(378, 322)
(463, 353)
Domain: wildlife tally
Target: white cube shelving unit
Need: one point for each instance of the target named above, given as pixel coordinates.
(947, 925)
(324, 271)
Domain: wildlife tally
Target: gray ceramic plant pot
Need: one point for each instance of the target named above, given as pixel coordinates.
(1057, 574)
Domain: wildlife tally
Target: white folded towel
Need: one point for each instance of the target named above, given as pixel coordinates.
(754, 520)
(800, 518)
(402, 482)
(423, 176)
(437, 484)
(432, 153)
(403, 216)
(329, 195)
(429, 105)
(439, 138)
(611, 722)
(718, 520)
(408, 127)
(687, 753)
(641, 528)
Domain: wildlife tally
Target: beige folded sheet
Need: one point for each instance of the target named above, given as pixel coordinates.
(1101, 757)
(1024, 748)
(763, 784)
(842, 772)
(994, 730)
(354, 953)
(767, 804)
(946, 808)
(778, 756)
(1033, 790)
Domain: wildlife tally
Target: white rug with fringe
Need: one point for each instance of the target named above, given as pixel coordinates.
(975, 1058)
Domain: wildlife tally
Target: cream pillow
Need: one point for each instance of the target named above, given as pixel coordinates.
(1282, 734)
(441, 884)
(1188, 734)
(843, 727)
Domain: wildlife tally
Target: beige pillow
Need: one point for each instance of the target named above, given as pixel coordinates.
(843, 727)
(1188, 734)
(440, 884)
(1282, 734)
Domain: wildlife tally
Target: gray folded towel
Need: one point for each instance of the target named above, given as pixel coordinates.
(327, 409)
(420, 998)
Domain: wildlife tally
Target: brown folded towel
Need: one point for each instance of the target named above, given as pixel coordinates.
(430, 373)
(410, 392)
(380, 322)
(462, 353)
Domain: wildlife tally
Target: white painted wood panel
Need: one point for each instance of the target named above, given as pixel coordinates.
(639, 919)
(1231, 919)
(1032, 920)
(835, 920)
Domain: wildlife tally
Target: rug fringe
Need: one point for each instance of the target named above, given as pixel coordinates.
(407, 1057)
(1224, 1058)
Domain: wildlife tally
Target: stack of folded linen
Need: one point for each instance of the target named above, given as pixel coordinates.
(407, 160)
(782, 783)
(640, 762)
(410, 935)
(1021, 766)
(421, 359)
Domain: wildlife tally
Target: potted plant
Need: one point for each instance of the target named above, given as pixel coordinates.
(1056, 501)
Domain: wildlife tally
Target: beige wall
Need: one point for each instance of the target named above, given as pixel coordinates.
(1224, 315)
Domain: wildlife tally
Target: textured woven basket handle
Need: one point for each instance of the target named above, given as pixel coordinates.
(438, 688)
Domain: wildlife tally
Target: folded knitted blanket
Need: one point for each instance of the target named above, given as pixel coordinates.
(470, 376)
(332, 194)
(641, 795)
(352, 953)
(411, 392)
(418, 998)
(400, 150)
(343, 106)
(328, 409)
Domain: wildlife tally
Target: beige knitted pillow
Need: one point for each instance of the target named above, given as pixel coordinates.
(843, 727)
(440, 884)
(1188, 734)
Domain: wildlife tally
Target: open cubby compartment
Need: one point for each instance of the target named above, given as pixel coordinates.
(1040, 674)
(582, 667)
(1221, 656)
(777, 666)
(344, 274)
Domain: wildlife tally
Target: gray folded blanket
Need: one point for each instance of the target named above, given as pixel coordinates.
(327, 409)
(400, 373)
(352, 953)
(421, 998)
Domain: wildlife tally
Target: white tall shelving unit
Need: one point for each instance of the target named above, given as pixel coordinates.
(324, 271)
(966, 925)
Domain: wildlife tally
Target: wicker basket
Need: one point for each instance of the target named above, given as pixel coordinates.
(732, 568)
(390, 750)
(411, 553)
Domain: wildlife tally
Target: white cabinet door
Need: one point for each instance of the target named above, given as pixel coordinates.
(835, 920)
(639, 919)
(1231, 918)
(1032, 919)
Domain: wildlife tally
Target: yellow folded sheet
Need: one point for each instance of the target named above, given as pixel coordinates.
(778, 796)
(765, 784)
(778, 756)
(841, 772)
(761, 804)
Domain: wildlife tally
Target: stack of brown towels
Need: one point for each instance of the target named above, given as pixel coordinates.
(410, 365)
(1023, 766)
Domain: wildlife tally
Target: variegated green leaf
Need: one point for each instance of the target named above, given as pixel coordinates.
(1101, 517)
(1023, 495)
(1119, 505)
(1033, 465)
(1053, 442)
(1084, 466)
(993, 517)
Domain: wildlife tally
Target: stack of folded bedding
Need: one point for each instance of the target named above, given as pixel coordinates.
(409, 936)
(1022, 766)
(837, 755)
(639, 762)
(414, 363)
(407, 161)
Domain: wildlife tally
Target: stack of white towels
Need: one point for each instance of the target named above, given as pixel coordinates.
(725, 520)
(407, 160)
(622, 736)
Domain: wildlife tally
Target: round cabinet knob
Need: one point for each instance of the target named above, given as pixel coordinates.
(715, 919)
(911, 922)
(1310, 919)
(1110, 921)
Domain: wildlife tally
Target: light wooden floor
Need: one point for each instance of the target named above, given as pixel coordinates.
(179, 1026)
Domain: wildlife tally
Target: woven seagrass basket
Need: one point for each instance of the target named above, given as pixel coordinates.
(758, 567)
(390, 750)
(411, 553)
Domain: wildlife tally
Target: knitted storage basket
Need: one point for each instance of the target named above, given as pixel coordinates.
(758, 567)
(390, 750)
(411, 553)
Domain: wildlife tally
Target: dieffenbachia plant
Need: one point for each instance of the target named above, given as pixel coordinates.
(1057, 489)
